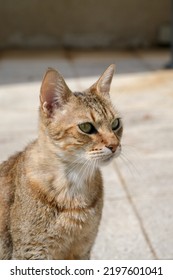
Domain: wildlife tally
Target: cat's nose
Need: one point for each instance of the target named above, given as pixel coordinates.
(112, 147)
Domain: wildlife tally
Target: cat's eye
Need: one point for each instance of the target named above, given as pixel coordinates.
(116, 124)
(87, 128)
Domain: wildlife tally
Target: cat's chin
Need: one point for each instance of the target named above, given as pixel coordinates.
(108, 160)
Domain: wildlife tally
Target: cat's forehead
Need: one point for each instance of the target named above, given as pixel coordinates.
(96, 106)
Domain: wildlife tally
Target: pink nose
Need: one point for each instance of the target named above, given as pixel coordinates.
(112, 147)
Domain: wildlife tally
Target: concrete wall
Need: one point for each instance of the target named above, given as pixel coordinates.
(81, 23)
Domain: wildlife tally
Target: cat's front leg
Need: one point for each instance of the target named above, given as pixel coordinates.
(25, 253)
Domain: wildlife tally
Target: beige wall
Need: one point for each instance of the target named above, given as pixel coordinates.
(81, 23)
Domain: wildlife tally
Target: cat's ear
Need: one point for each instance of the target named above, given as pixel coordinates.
(54, 92)
(103, 84)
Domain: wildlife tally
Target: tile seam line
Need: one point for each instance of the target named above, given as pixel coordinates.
(123, 182)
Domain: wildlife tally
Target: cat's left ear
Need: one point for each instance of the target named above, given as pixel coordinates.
(104, 82)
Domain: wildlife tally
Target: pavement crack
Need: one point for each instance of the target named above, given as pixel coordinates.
(124, 184)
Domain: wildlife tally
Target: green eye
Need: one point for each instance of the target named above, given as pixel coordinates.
(116, 124)
(87, 128)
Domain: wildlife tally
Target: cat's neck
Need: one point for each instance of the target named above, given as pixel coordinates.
(59, 179)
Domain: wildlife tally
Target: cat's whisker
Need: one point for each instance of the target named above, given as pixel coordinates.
(82, 173)
(134, 157)
(92, 168)
(95, 166)
(78, 176)
(71, 167)
(87, 166)
(133, 150)
(76, 171)
(129, 164)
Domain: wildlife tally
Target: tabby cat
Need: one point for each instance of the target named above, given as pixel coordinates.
(51, 194)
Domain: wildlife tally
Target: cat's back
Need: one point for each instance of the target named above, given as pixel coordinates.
(7, 188)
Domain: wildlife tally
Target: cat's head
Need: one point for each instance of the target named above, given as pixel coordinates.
(80, 126)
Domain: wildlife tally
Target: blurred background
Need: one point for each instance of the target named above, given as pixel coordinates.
(68, 24)
(80, 39)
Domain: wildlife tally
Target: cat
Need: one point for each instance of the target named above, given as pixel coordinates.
(51, 194)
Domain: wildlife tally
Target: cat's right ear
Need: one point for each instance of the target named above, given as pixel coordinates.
(54, 92)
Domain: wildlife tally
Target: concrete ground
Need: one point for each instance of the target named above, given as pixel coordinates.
(137, 221)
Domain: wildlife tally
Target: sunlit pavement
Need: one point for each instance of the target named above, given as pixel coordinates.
(137, 221)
